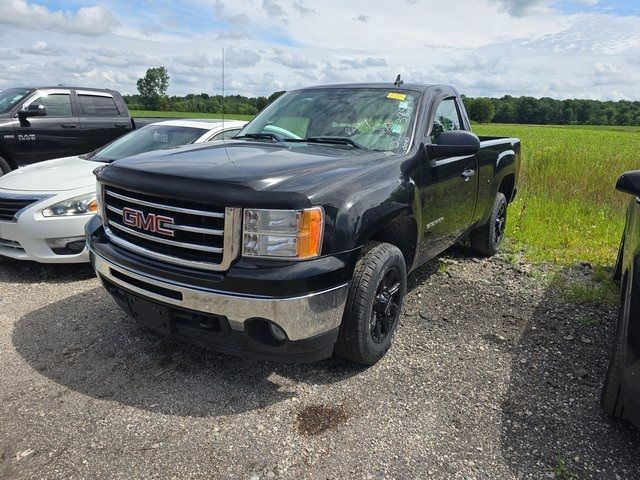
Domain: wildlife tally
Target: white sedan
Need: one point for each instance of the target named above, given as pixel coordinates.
(44, 207)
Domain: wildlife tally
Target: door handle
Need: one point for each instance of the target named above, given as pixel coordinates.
(122, 125)
(467, 174)
(69, 125)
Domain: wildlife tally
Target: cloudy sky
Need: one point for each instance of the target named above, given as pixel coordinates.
(557, 48)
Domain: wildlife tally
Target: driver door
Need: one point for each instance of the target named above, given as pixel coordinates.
(54, 135)
(449, 186)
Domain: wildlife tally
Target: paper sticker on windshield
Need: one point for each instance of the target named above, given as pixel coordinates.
(403, 105)
(397, 96)
(160, 137)
(396, 128)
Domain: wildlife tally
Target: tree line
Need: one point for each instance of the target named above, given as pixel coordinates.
(153, 86)
(202, 103)
(549, 111)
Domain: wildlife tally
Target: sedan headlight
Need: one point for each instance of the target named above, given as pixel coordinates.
(283, 233)
(81, 205)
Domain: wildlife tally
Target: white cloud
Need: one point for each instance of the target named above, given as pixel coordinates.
(293, 60)
(6, 54)
(86, 21)
(41, 48)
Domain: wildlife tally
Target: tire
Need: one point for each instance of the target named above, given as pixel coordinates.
(4, 167)
(486, 239)
(611, 399)
(374, 304)
(617, 271)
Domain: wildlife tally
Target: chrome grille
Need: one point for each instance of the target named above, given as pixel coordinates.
(195, 234)
(11, 205)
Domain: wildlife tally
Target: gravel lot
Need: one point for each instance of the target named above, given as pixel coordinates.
(492, 376)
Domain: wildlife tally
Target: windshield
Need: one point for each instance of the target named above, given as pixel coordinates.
(146, 139)
(9, 98)
(375, 119)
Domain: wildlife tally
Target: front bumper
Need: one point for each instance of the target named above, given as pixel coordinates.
(26, 238)
(310, 321)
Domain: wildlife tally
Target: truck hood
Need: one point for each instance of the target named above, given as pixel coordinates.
(61, 174)
(241, 169)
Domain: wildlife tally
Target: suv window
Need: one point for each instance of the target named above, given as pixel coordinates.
(57, 104)
(98, 105)
(447, 118)
(226, 135)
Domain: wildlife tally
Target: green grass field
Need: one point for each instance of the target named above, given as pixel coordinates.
(567, 209)
(150, 113)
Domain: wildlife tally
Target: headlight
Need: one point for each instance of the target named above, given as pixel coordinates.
(283, 233)
(81, 205)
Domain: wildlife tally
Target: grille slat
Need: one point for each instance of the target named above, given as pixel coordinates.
(204, 235)
(10, 206)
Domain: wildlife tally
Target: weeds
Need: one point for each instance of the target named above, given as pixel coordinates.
(567, 209)
(562, 470)
(595, 289)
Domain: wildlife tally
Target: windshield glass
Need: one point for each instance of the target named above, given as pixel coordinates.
(371, 118)
(10, 97)
(146, 139)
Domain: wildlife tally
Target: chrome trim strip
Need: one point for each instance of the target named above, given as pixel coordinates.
(165, 207)
(191, 246)
(174, 226)
(300, 317)
(188, 228)
(232, 226)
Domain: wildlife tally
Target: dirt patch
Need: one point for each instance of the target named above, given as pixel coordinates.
(316, 419)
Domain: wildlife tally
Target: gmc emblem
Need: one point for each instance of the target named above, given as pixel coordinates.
(149, 222)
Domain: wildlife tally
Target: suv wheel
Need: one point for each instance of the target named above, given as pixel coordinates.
(4, 167)
(373, 305)
(487, 238)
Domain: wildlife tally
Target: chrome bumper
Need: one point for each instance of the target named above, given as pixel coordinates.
(300, 317)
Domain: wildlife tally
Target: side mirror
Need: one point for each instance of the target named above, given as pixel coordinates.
(33, 110)
(629, 182)
(456, 143)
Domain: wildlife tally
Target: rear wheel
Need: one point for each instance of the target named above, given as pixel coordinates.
(4, 167)
(373, 305)
(611, 399)
(486, 239)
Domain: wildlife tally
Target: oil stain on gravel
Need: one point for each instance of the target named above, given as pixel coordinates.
(316, 419)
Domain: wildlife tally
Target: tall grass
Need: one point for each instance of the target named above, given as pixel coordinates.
(567, 208)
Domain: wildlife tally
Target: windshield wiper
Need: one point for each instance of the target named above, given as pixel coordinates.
(262, 136)
(333, 140)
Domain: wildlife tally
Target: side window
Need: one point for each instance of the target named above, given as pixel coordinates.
(226, 135)
(97, 105)
(447, 118)
(57, 104)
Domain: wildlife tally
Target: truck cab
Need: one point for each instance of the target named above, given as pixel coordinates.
(50, 122)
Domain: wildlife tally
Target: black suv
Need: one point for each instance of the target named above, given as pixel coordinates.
(49, 122)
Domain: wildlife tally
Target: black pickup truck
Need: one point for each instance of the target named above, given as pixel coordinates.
(293, 241)
(49, 122)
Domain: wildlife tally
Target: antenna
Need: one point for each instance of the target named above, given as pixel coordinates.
(398, 81)
(223, 90)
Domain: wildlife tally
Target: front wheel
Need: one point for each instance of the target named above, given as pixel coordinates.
(4, 167)
(486, 239)
(373, 305)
